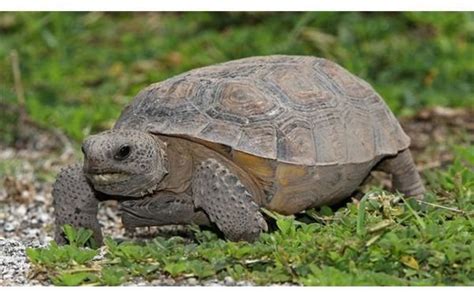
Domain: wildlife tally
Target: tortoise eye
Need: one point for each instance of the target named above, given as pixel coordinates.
(123, 152)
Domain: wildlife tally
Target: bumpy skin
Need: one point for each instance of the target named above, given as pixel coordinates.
(227, 202)
(405, 177)
(136, 173)
(75, 202)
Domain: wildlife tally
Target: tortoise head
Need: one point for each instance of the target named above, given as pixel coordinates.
(124, 162)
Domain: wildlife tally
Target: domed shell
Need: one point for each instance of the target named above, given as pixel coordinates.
(293, 109)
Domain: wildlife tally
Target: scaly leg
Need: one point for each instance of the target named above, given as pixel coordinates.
(75, 203)
(405, 177)
(227, 201)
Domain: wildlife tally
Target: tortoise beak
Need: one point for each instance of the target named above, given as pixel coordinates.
(90, 166)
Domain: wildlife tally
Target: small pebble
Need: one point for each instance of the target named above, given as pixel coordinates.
(21, 210)
(193, 281)
(44, 217)
(8, 227)
(13, 262)
(229, 281)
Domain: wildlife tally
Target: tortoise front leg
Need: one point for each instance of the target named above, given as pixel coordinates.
(75, 203)
(227, 201)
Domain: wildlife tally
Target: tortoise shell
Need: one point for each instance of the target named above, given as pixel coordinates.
(294, 109)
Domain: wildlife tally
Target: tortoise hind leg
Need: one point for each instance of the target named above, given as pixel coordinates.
(405, 177)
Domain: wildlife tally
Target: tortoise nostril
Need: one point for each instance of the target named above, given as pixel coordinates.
(123, 152)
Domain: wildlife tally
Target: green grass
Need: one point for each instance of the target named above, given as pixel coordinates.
(376, 241)
(80, 69)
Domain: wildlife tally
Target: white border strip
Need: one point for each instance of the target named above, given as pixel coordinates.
(240, 5)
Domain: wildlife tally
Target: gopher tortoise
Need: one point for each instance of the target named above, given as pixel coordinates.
(213, 145)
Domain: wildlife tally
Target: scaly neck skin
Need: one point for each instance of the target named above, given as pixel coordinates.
(180, 166)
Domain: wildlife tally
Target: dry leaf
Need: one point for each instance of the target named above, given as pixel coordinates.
(410, 262)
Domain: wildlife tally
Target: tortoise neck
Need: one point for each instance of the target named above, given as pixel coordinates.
(180, 165)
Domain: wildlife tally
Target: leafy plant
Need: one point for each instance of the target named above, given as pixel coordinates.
(79, 238)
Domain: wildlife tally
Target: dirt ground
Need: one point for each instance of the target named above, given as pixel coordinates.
(38, 154)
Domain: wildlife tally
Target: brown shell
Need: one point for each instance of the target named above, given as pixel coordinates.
(298, 110)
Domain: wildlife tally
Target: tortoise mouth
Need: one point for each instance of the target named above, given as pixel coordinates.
(122, 184)
(108, 178)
